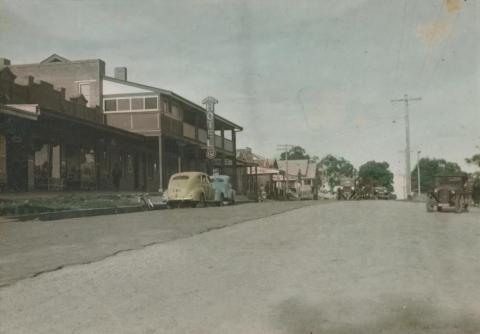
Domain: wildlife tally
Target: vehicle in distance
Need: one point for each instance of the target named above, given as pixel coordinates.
(382, 193)
(449, 191)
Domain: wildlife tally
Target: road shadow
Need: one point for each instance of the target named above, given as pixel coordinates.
(396, 316)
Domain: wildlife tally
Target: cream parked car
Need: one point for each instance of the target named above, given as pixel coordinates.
(189, 188)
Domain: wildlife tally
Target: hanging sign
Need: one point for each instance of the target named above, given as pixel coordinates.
(210, 112)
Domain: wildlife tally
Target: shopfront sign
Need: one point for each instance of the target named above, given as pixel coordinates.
(209, 103)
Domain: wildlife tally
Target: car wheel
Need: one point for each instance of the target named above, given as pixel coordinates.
(459, 204)
(430, 206)
(202, 203)
(222, 200)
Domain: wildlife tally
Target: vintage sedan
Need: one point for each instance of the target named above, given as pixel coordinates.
(189, 188)
(224, 192)
(381, 192)
(449, 191)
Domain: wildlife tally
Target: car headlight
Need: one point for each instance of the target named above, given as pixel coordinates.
(453, 192)
(165, 196)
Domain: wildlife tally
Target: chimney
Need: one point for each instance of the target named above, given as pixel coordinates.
(121, 73)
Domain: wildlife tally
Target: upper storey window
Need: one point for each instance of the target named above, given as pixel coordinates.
(123, 104)
(151, 103)
(110, 105)
(126, 104)
(138, 103)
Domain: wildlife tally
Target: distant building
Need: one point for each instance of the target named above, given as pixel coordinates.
(303, 171)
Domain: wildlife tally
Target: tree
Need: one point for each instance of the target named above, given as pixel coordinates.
(295, 153)
(376, 174)
(473, 160)
(428, 169)
(335, 168)
(275, 164)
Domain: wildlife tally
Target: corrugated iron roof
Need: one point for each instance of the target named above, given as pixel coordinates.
(307, 168)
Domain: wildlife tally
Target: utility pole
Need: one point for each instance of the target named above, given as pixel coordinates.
(285, 148)
(406, 100)
(418, 173)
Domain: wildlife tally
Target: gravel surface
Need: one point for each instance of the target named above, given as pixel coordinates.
(349, 267)
(31, 248)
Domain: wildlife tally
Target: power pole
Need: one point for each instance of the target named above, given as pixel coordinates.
(406, 100)
(418, 173)
(285, 148)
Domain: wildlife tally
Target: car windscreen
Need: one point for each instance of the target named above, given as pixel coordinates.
(218, 180)
(179, 180)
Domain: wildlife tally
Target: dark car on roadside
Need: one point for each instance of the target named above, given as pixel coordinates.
(381, 193)
(449, 192)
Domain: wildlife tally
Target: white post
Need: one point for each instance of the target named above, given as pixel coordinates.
(418, 173)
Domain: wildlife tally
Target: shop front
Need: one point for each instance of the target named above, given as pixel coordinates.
(51, 153)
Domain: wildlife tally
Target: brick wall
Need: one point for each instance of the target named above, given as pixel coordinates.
(66, 75)
(27, 90)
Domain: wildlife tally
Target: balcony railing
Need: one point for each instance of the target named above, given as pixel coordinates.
(188, 131)
(171, 125)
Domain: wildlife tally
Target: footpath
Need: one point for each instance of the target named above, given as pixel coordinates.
(60, 205)
(63, 205)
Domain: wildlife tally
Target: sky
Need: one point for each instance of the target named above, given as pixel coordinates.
(318, 74)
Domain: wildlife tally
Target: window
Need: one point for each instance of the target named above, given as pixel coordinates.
(42, 167)
(151, 103)
(129, 164)
(110, 105)
(166, 106)
(123, 104)
(137, 103)
(175, 110)
(56, 161)
(131, 103)
(149, 165)
(3, 159)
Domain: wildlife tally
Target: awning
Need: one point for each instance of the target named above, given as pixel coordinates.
(28, 111)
